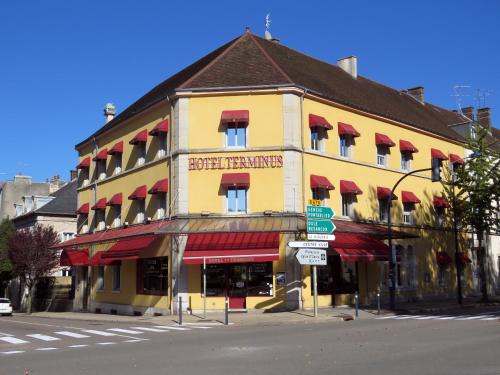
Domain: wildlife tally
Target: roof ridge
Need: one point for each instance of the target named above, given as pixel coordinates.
(206, 67)
(271, 60)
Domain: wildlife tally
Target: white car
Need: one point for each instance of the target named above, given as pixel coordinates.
(5, 306)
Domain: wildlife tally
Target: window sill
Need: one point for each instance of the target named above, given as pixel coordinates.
(117, 291)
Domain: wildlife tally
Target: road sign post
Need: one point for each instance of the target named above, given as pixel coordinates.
(315, 289)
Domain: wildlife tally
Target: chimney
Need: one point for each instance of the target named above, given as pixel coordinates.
(468, 112)
(349, 65)
(73, 174)
(417, 93)
(483, 117)
(109, 112)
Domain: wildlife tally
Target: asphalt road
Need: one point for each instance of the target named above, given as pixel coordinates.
(407, 345)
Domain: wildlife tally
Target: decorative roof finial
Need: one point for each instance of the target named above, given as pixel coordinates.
(267, 33)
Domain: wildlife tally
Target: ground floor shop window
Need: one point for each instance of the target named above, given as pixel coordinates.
(337, 277)
(405, 268)
(152, 276)
(216, 280)
(100, 278)
(116, 277)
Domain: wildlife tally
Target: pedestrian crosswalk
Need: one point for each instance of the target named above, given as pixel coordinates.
(482, 317)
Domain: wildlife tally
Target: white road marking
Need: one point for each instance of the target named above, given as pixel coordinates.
(475, 317)
(389, 317)
(426, 317)
(71, 334)
(446, 318)
(106, 343)
(46, 349)
(495, 318)
(43, 337)
(174, 328)
(136, 340)
(13, 352)
(77, 346)
(5, 334)
(13, 340)
(121, 330)
(99, 333)
(216, 324)
(150, 329)
(406, 317)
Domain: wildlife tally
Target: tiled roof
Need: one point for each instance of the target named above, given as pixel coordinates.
(251, 61)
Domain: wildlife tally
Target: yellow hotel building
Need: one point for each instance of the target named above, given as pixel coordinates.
(214, 167)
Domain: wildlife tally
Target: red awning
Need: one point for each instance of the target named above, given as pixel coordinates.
(241, 115)
(161, 127)
(440, 202)
(407, 146)
(128, 249)
(320, 182)
(232, 247)
(349, 187)
(455, 159)
(116, 149)
(160, 186)
(362, 255)
(83, 209)
(383, 193)
(139, 193)
(71, 257)
(235, 179)
(443, 259)
(142, 136)
(382, 139)
(346, 129)
(100, 204)
(116, 200)
(97, 260)
(437, 154)
(101, 155)
(409, 197)
(318, 121)
(84, 164)
(358, 247)
(463, 258)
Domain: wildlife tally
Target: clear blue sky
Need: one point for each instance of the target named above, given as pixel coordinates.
(61, 61)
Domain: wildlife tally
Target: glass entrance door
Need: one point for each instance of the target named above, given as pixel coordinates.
(237, 286)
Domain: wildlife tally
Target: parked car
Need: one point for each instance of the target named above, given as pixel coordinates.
(5, 306)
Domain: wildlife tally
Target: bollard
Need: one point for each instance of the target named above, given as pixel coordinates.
(356, 301)
(378, 303)
(226, 312)
(180, 310)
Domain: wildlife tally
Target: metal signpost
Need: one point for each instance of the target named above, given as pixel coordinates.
(314, 258)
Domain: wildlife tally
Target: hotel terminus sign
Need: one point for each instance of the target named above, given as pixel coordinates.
(235, 162)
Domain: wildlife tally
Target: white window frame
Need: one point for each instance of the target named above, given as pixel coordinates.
(66, 236)
(117, 278)
(383, 210)
(237, 125)
(237, 212)
(99, 282)
(117, 216)
(408, 213)
(321, 195)
(348, 203)
(140, 217)
(100, 219)
(83, 175)
(319, 144)
(382, 155)
(118, 163)
(162, 140)
(406, 161)
(349, 142)
(85, 228)
(101, 169)
(141, 153)
(161, 210)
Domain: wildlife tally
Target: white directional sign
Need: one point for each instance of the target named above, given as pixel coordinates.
(313, 257)
(320, 237)
(312, 244)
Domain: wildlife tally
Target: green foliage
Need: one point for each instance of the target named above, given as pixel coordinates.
(6, 231)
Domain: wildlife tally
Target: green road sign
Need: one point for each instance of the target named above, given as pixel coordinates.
(319, 212)
(320, 226)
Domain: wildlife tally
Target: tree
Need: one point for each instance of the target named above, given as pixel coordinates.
(32, 257)
(474, 191)
(6, 230)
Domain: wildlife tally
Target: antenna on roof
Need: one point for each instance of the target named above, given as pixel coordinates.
(267, 33)
(480, 97)
(458, 93)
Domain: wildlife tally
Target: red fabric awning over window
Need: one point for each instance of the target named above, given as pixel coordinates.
(97, 260)
(440, 202)
(116, 200)
(320, 182)
(409, 197)
(232, 247)
(116, 149)
(455, 159)
(139, 193)
(100, 204)
(142, 136)
(129, 248)
(84, 164)
(443, 259)
(241, 115)
(437, 154)
(83, 209)
(319, 121)
(362, 255)
(71, 257)
(160, 186)
(349, 187)
(235, 180)
(384, 192)
(384, 140)
(358, 247)
(161, 127)
(101, 155)
(407, 146)
(346, 129)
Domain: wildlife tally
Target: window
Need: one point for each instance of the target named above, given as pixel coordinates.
(85, 227)
(405, 268)
(216, 280)
(321, 195)
(99, 285)
(408, 209)
(28, 203)
(162, 144)
(325, 278)
(260, 279)
(116, 277)
(101, 169)
(236, 134)
(101, 224)
(382, 151)
(383, 210)
(443, 277)
(348, 205)
(117, 220)
(162, 205)
(141, 153)
(118, 163)
(84, 177)
(346, 142)
(141, 210)
(236, 200)
(318, 135)
(406, 161)
(440, 215)
(152, 276)
(65, 236)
